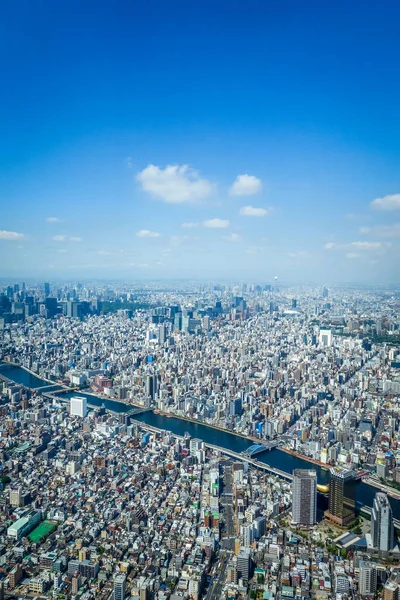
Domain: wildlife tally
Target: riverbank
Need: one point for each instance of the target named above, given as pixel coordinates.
(65, 388)
(217, 427)
(40, 377)
(382, 487)
(303, 457)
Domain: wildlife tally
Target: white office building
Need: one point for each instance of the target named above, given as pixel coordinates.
(382, 531)
(78, 406)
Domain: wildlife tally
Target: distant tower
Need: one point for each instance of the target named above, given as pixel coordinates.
(325, 292)
(304, 496)
(382, 531)
(47, 289)
(342, 503)
(151, 386)
(325, 337)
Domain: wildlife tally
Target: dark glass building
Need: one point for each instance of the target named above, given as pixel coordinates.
(342, 491)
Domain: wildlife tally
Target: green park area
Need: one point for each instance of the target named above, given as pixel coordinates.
(42, 531)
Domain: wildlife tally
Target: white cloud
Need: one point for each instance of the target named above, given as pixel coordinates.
(245, 185)
(189, 225)
(175, 184)
(387, 231)
(145, 233)
(233, 237)
(65, 238)
(352, 255)
(358, 246)
(12, 236)
(390, 202)
(216, 223)
(252, 211)
(62, 250)
(128, 162)
(368, 245)
(104, 253)
(53, 220)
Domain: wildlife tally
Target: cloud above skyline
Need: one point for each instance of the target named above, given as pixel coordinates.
(146, 233)
(216, 224)
(391, 202)
(245, 185)
(252, 211)
(175, 184)
(66, 238)
(11, 236)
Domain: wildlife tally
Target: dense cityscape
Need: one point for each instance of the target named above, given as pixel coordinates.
(186, 440)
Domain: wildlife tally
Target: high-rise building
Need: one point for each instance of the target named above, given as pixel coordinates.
(325, 337)
(367, 579)
(235, 407)
(46, 289)
(382, 531)
(15, 496)
(162, 334)
(119, 587)
(78, 406)
(75, 583)
(244, 564)
(151, 386)
(304, 496)
(342, 503)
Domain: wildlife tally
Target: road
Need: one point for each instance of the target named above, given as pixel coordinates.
(227, 506)
(215, 591)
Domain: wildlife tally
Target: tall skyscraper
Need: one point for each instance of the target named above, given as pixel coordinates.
(119, 587)
(304, 496)
(78, 406)
(342, 503)
(382, 531)
(46, 289)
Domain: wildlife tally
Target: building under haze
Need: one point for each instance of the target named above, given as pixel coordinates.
(304, 497)
(342, 502)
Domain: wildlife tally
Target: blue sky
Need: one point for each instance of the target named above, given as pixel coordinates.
(213, 140)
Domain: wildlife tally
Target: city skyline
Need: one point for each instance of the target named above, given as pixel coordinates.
(252, 146)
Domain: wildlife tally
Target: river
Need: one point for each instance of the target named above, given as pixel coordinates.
(275, 458)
